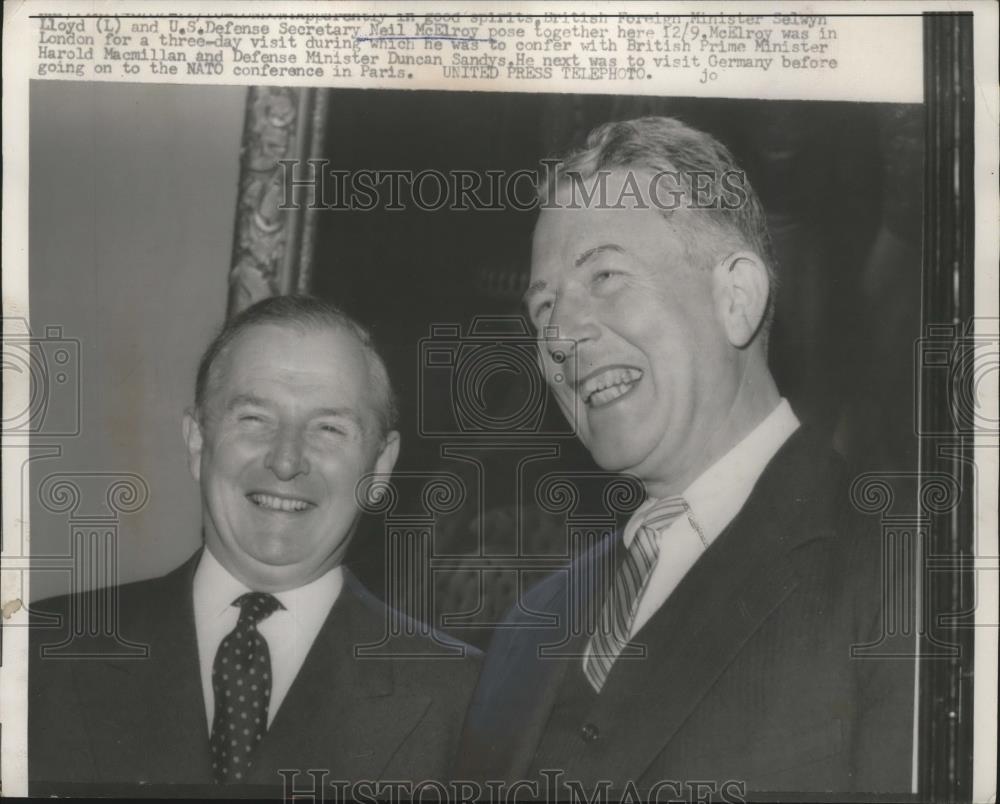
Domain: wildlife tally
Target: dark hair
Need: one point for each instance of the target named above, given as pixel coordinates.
(664, 144)
(301, 311)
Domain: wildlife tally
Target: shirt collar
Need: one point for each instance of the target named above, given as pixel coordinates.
(215, 589)
(309, 605)
(717, 495)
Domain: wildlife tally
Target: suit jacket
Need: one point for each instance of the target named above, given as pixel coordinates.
(107, 724)
(749, 677)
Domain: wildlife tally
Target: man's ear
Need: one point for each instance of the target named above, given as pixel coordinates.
(741, 288)
(384, 464)
(194, 439)
(386, 460)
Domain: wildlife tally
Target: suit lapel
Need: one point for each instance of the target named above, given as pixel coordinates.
(534, 694)
(515, 693)
(158, 722)
(732, 589)
(537, 663)
(690, 642)
(342, 713)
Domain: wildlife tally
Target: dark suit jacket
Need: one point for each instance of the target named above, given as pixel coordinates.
(749, 676)
(107, 722)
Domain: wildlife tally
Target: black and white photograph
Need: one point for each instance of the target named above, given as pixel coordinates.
(469, 439)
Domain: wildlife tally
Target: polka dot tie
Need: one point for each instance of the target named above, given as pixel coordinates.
(241, 680)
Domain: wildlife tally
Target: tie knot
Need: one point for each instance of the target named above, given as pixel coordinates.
(256, 606)
(662, 513)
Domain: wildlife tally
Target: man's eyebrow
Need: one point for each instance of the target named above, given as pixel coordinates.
(245, 399)
(342, 413)
(253, 400)
(540, 284)
(593, 252)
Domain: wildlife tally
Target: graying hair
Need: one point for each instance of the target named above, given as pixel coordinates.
(301, 311)
(666, 145)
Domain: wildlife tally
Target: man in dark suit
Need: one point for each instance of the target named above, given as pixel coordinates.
(264, 654)
(723, 645)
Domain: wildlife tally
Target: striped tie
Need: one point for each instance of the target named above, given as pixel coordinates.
(619, 610)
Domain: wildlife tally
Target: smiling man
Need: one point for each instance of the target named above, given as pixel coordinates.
(252, 666)
(733, 648)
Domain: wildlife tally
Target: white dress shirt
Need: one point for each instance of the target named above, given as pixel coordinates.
(290, 632)
(713, 499)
